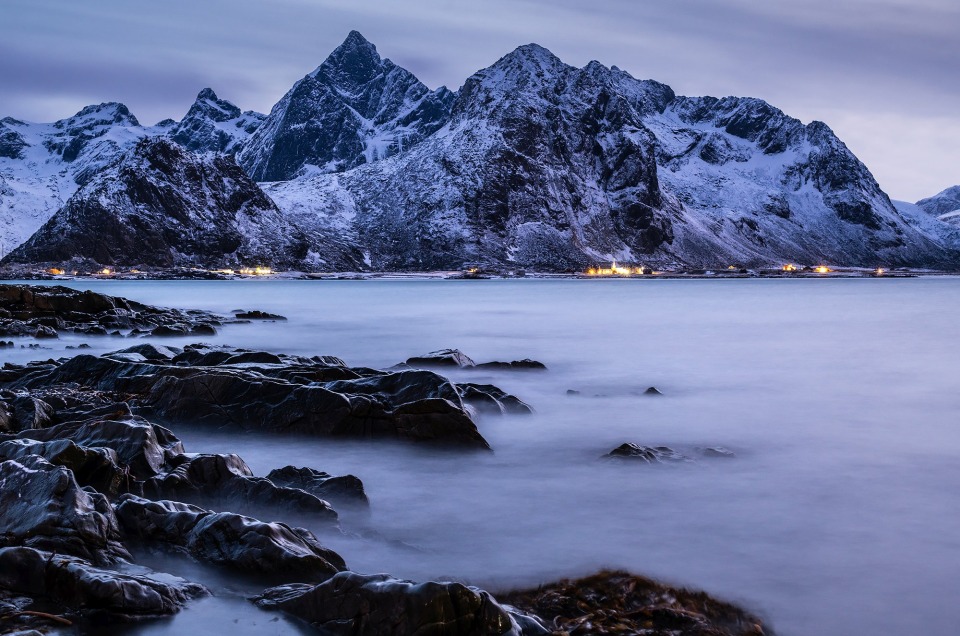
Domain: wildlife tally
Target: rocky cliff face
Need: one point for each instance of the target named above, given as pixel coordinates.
(161, 205)
(355, 108)
(215, 125)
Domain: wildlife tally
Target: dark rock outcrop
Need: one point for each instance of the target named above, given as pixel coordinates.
(98, 468)
(379, 605)
(229, 540)
(30, 310)
(78, 586)
(407, 405)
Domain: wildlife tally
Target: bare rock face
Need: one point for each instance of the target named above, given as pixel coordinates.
(230, 540)
(78, 586)
(379, 605)
(44, 508)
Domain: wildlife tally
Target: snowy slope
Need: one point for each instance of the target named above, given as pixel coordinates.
(945, 205)
(42, 165)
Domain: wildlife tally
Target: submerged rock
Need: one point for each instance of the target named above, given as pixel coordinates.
(230, 540)
(380, 605)
(78, 586)
(517, 365)
(490, 399)
(442, 358)
(648, 454)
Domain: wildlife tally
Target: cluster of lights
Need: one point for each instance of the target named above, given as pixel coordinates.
(615, 270)
(256, 271)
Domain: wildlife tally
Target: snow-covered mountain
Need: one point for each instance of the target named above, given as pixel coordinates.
(531, 164)
(215, 125)
(543, 165)
(161, 205)
(945, 206)
(355, 108)
(42, 165)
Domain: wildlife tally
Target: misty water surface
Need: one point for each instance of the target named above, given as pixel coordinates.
(839, 515)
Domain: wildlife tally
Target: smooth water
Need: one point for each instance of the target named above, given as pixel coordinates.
(840, 514)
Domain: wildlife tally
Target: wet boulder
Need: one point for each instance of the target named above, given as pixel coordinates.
(229, 540)
(30, 413)
(97, 468)
(341, 490)
(646, 454)
(380, 605)
(43, 507)
(79, 586)
(226, 482)
(142, 447)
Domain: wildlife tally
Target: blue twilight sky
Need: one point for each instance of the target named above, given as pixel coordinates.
(884, 74)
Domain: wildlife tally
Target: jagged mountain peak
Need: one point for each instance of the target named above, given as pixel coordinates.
(215, 125)
(353, 64)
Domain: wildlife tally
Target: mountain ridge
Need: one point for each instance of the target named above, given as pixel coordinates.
(531, 164)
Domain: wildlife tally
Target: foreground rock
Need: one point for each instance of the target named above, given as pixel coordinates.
(230, 540)
(379, 605)
(44, 312)
(77, 586)
(260, 391)
(621, 603)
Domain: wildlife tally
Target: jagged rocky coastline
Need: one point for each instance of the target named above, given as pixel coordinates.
(92, 474)
(532, 164)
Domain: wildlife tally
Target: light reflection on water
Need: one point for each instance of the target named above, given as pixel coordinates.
(840, 514)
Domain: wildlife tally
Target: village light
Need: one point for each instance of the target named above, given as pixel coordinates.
(822, 269)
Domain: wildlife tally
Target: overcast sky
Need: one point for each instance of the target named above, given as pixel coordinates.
(884, 74)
